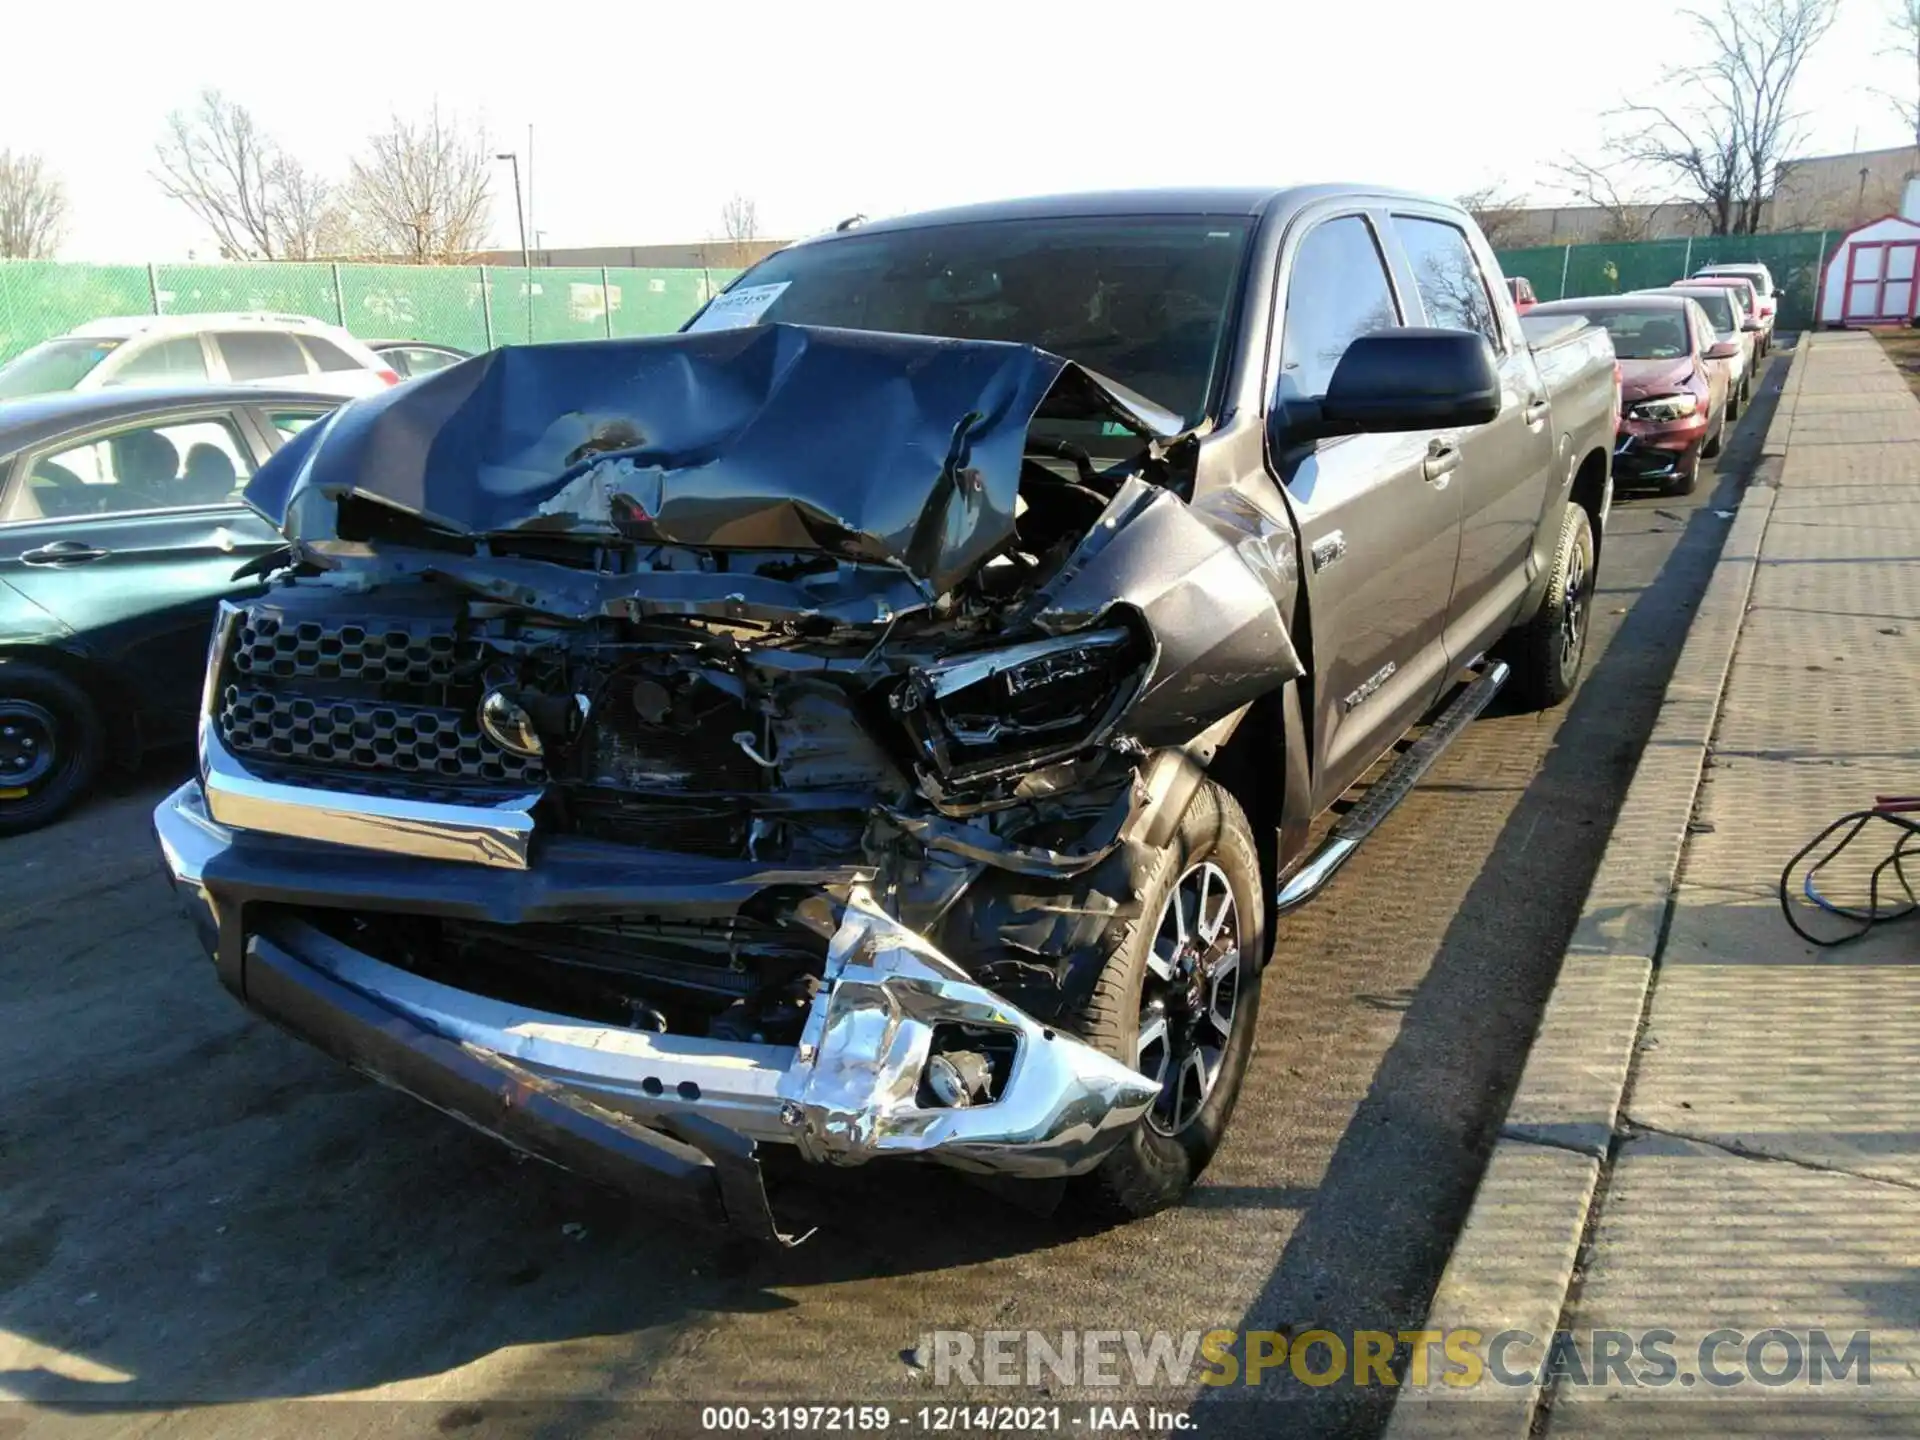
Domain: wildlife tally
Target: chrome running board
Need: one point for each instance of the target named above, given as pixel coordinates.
(1390, 789)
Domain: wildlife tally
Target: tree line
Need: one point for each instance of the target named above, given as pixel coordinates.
(418, 191)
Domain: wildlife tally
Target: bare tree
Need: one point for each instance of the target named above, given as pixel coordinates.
(1501, 218)
(300, 206)
(218, 163)
(1626, 216)
(422, 192)
(33, 208)
(739, 228)
(1730, 124)
(740, 216)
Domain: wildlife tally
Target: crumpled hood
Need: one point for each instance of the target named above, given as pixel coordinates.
(896, 449)
(1640, 379)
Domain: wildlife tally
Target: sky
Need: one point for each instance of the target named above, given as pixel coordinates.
(647, 116)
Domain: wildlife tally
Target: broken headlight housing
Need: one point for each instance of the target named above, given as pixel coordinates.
(975, 715)
(1666, 407)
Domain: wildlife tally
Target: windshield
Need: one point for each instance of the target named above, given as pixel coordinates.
(52, 365)
(1142, 300)
(1755, 278)
(1718, 304)
(1649, 334)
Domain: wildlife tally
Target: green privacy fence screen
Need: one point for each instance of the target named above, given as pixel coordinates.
(1558, 271)
(474, 307)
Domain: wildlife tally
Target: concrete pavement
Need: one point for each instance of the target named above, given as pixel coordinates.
(1715, 1134)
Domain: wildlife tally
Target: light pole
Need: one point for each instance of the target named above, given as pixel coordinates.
(526, 256)
(519, 213)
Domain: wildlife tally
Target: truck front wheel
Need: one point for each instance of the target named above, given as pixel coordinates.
(1178, 999)
(1546, 652)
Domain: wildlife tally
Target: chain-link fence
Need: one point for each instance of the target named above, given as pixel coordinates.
(474, 307)
(1558, 271)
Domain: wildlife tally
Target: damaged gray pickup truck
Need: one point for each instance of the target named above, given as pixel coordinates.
(888, 717)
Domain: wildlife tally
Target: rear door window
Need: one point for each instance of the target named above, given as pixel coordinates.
(291, 422)
(1451, 285)
(416, 360)
(329, 356)
(1337, 291)
(261, 354)
(179, 359)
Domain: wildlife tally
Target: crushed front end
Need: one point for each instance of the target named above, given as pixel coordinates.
(749, 745)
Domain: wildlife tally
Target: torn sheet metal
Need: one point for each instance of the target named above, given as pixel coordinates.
(892, 449)
(854, 1085)
(1208, 585)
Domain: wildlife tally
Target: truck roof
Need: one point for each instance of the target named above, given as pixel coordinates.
(1248, 200)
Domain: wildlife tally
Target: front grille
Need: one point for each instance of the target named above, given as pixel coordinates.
(370, 734)
(319, 690)
(395, 652)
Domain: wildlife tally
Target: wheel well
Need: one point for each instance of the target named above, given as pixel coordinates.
(117, 712)
(1251, 768)
(1590, 491)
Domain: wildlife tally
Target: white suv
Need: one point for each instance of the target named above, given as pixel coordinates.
(244, 349)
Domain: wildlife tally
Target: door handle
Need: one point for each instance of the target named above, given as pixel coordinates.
(1536, 411)
(1442, 460)
(63, 552)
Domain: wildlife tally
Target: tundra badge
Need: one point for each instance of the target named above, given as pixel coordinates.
(1328, 548)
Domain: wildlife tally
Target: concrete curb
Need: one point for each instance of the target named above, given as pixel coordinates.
(1514, 1260)
(1781, 425)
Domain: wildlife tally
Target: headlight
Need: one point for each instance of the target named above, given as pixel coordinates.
(1667, 407)
(1014, 705)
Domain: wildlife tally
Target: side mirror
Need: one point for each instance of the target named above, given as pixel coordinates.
(1397, 380)
(1722, 350)
(1753, 327)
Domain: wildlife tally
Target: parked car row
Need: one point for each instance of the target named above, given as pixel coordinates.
(281, 351)
(1688, 354)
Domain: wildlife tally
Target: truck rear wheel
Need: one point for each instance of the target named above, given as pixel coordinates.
(1547, 651)
(1179, 999)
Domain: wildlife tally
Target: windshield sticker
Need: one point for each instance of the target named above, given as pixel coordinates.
(739, 307)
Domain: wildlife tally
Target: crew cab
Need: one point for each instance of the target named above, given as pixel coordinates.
(887, 717)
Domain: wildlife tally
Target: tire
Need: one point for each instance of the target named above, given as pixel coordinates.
(1159, 1160)
(1545, 661)
(51, 745)
(1687, 477)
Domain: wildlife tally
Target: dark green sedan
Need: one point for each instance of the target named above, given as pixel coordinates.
(120, 528)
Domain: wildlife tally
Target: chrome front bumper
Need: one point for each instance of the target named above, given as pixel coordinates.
(846, 1093)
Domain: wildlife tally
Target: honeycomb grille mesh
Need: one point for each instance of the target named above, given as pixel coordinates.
(427, 740)
(271, 646)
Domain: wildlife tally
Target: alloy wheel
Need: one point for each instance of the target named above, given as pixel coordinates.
(1191, 995)
(1573, 609)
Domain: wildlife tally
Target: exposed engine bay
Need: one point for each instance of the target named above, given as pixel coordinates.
(940, 691)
